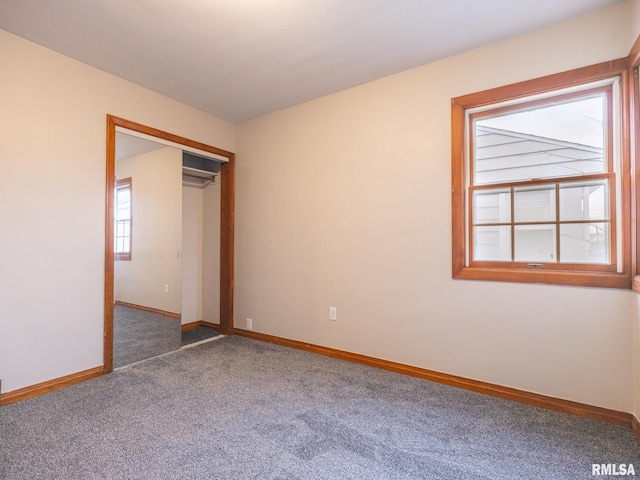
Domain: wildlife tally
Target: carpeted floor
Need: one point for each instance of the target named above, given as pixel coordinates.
(138, 335)
(197, 335)
(239, 409)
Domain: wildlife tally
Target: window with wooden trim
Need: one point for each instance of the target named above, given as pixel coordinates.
(122, 227)
(539, 180)
(634, 134)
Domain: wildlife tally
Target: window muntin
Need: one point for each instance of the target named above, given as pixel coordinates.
(521, 223)
(541, 183)
(122, 227)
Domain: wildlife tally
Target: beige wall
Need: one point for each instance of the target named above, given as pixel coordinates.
(636, 355)
(345, 202)
(201, 254)
(211, 253)
(52, 166)
(152, 278)
(634, 18)
(191, 254)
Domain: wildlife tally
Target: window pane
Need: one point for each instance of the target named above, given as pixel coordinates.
(123, 207)
(122, 214)
(545, 141)
(584, 242)
(492, 243)
(492, 206)
(584, 201)
(535, 243)
(123, 204)
(535, 204)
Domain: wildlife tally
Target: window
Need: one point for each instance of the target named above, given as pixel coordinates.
(122, 241)
(634, 114)
(540, 180)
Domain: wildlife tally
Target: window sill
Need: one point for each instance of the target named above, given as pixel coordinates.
(555, 277)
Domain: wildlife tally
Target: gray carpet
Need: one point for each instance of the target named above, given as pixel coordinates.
(235, 408)
(138, 335)
(197, 335)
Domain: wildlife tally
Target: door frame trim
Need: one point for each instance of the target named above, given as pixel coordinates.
(227, 212)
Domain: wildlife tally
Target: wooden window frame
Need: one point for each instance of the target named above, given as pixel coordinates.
(634, 152)
(561, 274)
(608, 175)
(122, 184)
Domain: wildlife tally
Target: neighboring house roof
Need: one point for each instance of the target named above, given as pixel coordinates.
(504, 156)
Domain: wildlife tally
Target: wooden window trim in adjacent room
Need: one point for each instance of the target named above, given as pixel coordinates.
(568, 274)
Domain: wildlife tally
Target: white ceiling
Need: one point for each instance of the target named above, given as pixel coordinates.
(238, 59)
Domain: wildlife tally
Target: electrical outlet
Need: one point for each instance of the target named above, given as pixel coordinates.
(249, 324)
(333, 313)
(166, 288)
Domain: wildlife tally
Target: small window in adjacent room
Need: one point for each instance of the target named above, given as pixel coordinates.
(122, 228)
(537, 182)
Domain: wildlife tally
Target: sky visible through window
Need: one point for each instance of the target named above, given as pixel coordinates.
(577, 121)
